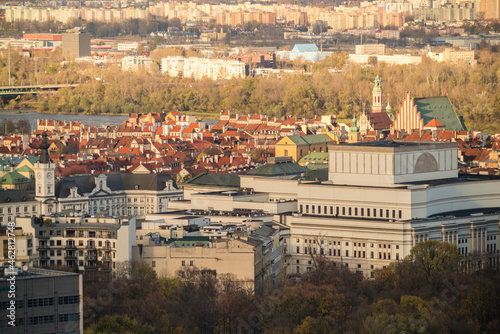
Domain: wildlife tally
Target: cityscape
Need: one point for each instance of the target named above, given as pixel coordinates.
(249, 167)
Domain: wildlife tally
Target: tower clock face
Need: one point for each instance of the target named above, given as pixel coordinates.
(39, 175)
(49, 175)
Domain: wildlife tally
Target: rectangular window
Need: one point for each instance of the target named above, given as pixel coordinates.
(331, 210)
(381, 213)
(355, 253)
(372, 255)
(324, 210)
(153, 264)
(362, 212)
(374, 212)
(350, 211)
(364, 254)
(393, 213)
(312, 209)
(319, 209)
(400, 214)
(337, 210)
(387, 213)
(183, 263)
(343, 211)
(368, 212)
(298, 250)
(347, 253)
(355, 211)
(307, 208)
(191, 263)
(300, 210)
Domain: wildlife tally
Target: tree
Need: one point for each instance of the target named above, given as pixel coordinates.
(23, 126)
(434, 257)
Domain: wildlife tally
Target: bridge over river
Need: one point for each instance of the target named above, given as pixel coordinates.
(35, 89)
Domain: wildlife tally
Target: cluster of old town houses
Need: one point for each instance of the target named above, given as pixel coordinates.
(251, 195)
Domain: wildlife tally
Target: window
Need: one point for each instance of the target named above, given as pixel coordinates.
(191, 263)
(300, 210)
(368, 212)
(331, 210)
(387, 213)
(393, 213)
(153, 264)
(312, 209)
(347, 253)
(397, 256)
(362, 211)
(343, 211)
(307, 208)
(400, 214)
(350, 212)
(371, 255)
(359, 266)
(183, 263)
(298, 250)
(319, 209)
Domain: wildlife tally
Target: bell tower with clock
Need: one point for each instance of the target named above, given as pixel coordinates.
(45, 181)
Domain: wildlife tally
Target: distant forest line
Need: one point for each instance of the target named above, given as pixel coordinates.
(473, 90)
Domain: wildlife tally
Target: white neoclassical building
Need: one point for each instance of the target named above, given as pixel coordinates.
(375, 202)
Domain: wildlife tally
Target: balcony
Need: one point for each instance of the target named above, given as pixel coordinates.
(44, 237)
(70, 257)
(106, 258)
(44, 257)
(42, 247)
(70, 247)
(106, 248)
(90, 267)
(91, 257)
(90, 247)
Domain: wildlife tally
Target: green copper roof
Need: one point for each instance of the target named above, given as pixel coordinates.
(441, 109)
(190, 242)
(215, 180)
(378, 84)
(354, 128)
(278, 169)
(310, 139)
(24, 168)
(13, 178)
(315, 158)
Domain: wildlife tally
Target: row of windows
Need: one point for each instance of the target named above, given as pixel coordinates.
(349, 211)
(40, 302)
(5, 304)
(40, 320)
(356, 254)
(25, 209)
(69, 300)
(356, 244)
(191, 263)
(70, 317)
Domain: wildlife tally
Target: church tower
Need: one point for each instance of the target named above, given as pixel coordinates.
(377, 95)
(354, 135)
(45, 179)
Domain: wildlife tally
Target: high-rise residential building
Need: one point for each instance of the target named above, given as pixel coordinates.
(489, 9)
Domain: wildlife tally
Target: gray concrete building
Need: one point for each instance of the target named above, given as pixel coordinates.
(46, 301)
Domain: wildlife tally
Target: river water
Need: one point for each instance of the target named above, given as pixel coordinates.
(15, 115)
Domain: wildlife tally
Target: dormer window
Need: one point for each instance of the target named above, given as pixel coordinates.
(136, 187)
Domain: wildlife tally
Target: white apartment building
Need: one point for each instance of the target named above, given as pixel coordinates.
(198, 68)
(404, 59)
(136, 63)
(83, 243)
